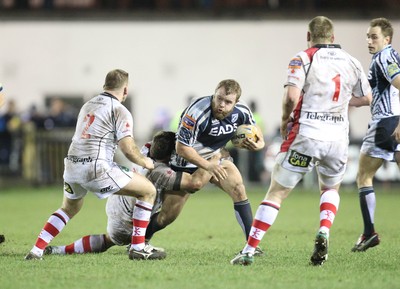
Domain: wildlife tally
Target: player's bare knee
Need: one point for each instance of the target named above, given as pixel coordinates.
(195, 186)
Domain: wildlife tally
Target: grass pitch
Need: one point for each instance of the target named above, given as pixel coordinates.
(200, 245)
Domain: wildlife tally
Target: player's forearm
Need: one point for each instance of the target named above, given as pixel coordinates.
(289, 102)
(191, 155)
(361, 101)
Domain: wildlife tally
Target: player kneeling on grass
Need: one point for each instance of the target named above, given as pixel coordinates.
(322, 82)
(102, 124)
(170, 187)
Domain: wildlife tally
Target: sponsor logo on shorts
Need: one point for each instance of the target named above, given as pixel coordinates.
(82, 160)
(299, 160)
(125, 169)
(325, 117)
(68, 189)
(106, 189)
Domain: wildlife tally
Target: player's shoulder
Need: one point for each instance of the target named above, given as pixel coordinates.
(198, 108)
(387, 54)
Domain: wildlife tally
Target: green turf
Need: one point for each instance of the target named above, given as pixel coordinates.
(200, 245)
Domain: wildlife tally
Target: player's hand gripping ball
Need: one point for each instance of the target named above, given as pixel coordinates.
(244, 131)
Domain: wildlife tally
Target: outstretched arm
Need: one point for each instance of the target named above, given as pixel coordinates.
(132, 153)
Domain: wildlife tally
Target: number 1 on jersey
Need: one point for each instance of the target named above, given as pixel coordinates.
(336, 80)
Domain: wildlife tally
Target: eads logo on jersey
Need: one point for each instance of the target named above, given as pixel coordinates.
(218, 128)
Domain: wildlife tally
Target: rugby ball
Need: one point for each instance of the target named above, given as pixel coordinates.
(244, 131)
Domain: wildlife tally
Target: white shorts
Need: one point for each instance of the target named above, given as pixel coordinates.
(329, 158)
(378, 142)
(119, 209)
(100, 177)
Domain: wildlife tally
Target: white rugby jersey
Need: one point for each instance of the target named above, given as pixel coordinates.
(385, 97)
(328, 77)
(101, 123)
(207, 135)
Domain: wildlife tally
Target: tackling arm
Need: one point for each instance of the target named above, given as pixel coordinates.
(132, 152)
(361, 101)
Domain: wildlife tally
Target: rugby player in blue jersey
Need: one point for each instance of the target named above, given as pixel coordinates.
(206, 126)
(381, 141)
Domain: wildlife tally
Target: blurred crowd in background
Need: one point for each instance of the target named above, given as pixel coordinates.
(360, 6)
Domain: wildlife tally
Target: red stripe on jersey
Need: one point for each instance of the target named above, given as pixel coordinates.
(140, 223)
(70, 249)
(266, 203)
(295, 127)
(310, 52)
(86, 244)
(51, 229)
(261, 225)
(60, 217)
(327, 206)
(41, 244)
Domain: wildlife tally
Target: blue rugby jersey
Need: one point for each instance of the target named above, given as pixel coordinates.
(385, 97)
(207, 135)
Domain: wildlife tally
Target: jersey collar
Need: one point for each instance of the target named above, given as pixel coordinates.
(327, 46)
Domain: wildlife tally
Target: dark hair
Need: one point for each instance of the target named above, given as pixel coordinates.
(163, 145)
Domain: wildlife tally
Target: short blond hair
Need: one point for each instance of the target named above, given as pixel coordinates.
(231, 87)
(321, 29)
(115, 79)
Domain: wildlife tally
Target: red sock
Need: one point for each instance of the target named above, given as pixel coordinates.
(329, 204)
(87, 244)
(52, 228)
(264, 218)
(140, 220)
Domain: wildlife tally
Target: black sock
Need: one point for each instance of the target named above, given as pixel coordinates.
(153, 227)
(366, 206)
(244, 216)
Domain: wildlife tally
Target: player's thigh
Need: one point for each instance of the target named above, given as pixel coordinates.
(139, 186)
(233, 184)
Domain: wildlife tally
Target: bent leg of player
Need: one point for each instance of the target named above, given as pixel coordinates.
(234, 187)
(86, 244)
(58, 220)
(172, 205)
(145, 193)
(282, 182)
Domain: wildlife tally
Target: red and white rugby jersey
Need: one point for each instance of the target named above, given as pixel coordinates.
(328, 77)
(101, 123)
